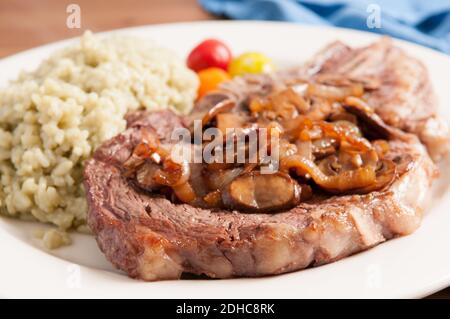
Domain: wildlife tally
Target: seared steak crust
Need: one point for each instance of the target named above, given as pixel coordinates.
(151, 238)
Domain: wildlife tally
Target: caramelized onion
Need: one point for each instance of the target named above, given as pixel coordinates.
(173, 173)
(293, 127)
(385, 175)
(258, 104)
(137, 157)
(370, 158)
(320, 108)
(229, 120)
(287, 104)
(339, 183)
(287, 149)
(184, 192)
(381, 147)
(213, 199)
(324, 147)
(345, 134)
(348, 126)
(304, 149)
(145, 174)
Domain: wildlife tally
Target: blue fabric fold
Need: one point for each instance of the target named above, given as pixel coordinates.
(426, 22)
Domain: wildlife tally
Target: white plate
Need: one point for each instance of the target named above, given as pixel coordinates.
(412, 266)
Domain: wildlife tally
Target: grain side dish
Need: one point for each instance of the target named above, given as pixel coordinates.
(52, 119)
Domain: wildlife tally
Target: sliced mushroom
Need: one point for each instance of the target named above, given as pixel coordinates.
(208, 101)
(330, 165)
(221, 107)
(262, 193)
(374, 126)
(203, 106)
(306, 192)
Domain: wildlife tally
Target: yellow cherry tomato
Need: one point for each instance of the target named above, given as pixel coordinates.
(250, 62)
(210, 79)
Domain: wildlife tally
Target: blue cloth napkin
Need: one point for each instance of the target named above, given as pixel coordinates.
(426, 22)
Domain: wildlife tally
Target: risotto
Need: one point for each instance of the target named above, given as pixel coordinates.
(53, 118)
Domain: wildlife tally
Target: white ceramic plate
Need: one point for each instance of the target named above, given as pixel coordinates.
(412, 266)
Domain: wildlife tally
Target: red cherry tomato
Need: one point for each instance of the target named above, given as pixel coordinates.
(209, 53)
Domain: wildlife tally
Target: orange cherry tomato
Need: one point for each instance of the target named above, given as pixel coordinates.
(210, 79)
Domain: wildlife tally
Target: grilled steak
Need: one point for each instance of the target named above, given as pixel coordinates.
(152, 238)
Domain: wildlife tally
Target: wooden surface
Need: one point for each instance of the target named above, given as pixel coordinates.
(28, 23)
